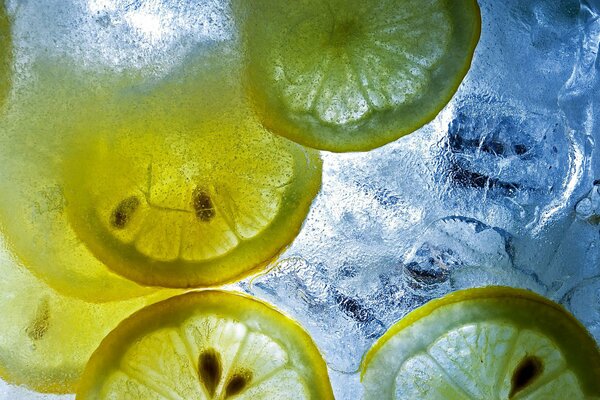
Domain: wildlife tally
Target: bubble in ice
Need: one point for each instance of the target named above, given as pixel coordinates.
(454, 241)
(459, 252)
(503, 153)
(588, 208)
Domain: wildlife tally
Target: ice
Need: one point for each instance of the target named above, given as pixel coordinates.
(583, 302)
(501, 188)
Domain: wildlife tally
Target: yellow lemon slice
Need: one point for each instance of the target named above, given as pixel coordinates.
(184, 188)
(47, 338)
(35, 137)
(207, 345)
(488, 343)
(344, 75)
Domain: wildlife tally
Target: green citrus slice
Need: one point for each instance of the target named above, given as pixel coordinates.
(207, 345)
(188, 190)
(46, 337)
(345, 75)
(488, 343)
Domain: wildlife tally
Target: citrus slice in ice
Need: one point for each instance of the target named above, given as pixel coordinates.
(46, 337)
(345, 75)
(488, 343)
(35, 133)
(188, 190)
(207, 345)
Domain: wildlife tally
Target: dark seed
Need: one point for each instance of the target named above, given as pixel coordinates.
(210, 370)
(237, 383)
(203, 205)
(528, 370)
(123, 212)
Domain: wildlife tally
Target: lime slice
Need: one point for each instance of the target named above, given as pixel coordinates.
(345, 75)
(488, 343)
(35, 136)
(47, 338)
(184, 189)
(207, 345)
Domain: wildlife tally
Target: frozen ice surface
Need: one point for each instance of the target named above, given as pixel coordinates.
(501, 188)
(144, 38)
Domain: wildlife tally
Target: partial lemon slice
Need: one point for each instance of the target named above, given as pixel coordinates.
(488, 343)
(185, 188)
(207, 345)
(35, 136)
(47, 338)
(345, 75)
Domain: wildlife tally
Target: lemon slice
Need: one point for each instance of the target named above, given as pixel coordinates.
(47, 338)
(185, 189)
(488, 343)
(207, 345)
(35, 136)
(345, 75)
